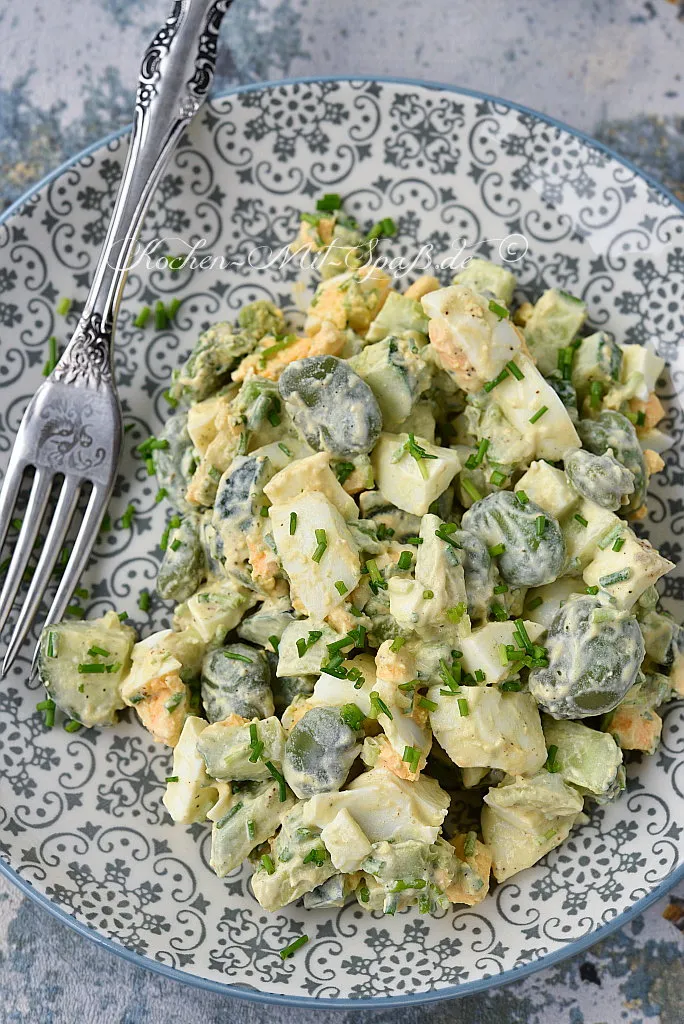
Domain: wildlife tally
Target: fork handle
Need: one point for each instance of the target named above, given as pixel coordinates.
(175, 76)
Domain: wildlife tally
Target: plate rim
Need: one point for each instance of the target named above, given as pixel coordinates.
(382, 1002)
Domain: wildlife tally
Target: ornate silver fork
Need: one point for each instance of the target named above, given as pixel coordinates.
(72, 427)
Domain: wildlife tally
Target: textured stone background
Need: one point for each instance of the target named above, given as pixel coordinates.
(611, 67)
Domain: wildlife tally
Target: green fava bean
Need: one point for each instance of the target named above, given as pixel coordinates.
(183, 567)
(600, 478)
(594, 654)
(613, 430)
(319, 752)
(333, 407)
(530, 542)
(236, 681)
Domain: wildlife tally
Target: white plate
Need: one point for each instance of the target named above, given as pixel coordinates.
(82, 828)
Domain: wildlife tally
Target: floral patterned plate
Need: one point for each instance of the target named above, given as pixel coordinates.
(82, 828)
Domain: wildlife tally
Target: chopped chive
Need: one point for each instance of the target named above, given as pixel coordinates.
(540, 525)
(267, 864)
(72, 726)
(63, 307)
(273, 350)
(304, 645)
(293, 523)
(522, 633)
(497, 478)
(503, 655)
(122, 616)
(53, 357)
(397, 644)
(456, 613)
(142, 317)
(172, 308)
(378, 706)
(341, 587)
(161, 319)
(172, 778)
(490, 385)
(497, 549)
(501, 588)
(511, 686)
(48, 706)
(463, 708)
(352, 715)
(552, 764)
(444, 533)
(251, 830)
(176, 544)
(499, 613)
(98, 652)
(470, 489)
(385, 227)
(293, 947)
(580, 519)
(419, 454)
(127, 517)
(608, 539)
(415, 541)
(174, 700)
(595, 393)
(515, 370)
(377, 581)
(75, 611)
(263, 511)
(450, 676)
(321, 545)
(169, 399)
(428, 595)
(405, 560)
(234, 656)
(316, 856)
(500, 311)
(470, 845)
(282, 788)
(641, 419)
(329, 202)
(615, 577)
(343, 470)
(481, 451)
(274, 642)
(539, 413)
(144, 601)
(412, 757)
(160, 495)
(479, 675)
(535, 603)
(592, 590)
(229, 814)
(257, 745)
(429, 705)
(522, 497)
(618, 543)
(52, 645)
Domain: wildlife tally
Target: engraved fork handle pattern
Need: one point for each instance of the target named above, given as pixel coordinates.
(175, 76)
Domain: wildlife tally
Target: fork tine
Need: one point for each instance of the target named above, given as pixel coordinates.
(9, 492)
(81, 551)
(35, 510)
(59, 526)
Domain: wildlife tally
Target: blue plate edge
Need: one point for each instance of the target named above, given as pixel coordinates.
(310, 1002)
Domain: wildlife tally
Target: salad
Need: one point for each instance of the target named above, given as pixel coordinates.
(415, 627)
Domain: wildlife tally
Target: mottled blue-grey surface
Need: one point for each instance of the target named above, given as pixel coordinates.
(611, 67)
